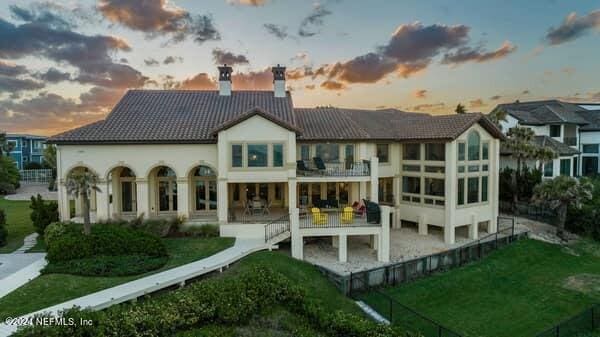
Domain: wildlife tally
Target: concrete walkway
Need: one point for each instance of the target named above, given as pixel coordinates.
(18, 268)
(28, 190)
(28, 243)
(140, 287)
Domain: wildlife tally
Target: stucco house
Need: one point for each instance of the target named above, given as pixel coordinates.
(259, 167)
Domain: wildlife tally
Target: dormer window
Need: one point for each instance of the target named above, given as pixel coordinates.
(554, 130)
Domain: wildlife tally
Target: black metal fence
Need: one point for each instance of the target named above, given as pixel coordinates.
(338, 169)
(533, 211)
(326, 218)
(584, 322)
(277, 227)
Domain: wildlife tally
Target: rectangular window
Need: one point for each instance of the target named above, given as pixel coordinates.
(344, 195)
(349, 154)
(257, 155)
(315, 193)
(575, 167)
(277, 155)
(485, 149)
(328, 152)
(554, 130)
(278, 191)
(548, 169)
(565, 167)
(589, 148)
(461, 151)
(383, 153)
(411, 168)
(484, 189)
(473, 168)
(435, 151)
(434, 187)
(331, 191)
(411, 152)
(461, 169)
(461, 191)
(472, 190)
(411, 185)
(303, 194)
(435, 169)
(305, 152)
(236, 155)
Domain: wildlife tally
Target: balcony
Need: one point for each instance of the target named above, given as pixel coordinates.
(571, 141)
(317, 168)
(339, 218)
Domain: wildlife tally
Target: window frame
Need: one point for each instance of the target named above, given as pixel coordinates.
(553, 128)
(273, 155)
(232, 163)
(386, 157)
(266, 153)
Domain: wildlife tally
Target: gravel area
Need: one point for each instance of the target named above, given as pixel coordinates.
(26, 191)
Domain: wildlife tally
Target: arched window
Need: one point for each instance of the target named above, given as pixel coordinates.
(165, 172)
(205, 189)
(473, 145)
(128, 191)
(167, 189)
(126, 173)
(204, 171)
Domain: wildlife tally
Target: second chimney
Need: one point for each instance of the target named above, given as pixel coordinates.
(225, 80)
(279, 81)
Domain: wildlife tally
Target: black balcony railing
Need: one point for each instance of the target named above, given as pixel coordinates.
(333, 169)
(334, 218)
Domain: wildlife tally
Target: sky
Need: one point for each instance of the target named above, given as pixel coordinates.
(66, 63)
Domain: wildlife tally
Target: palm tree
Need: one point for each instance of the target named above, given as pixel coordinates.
(544, 155)
(519, 143)
(560, 193)
(83, 183)
(460, 109)
(498, 115)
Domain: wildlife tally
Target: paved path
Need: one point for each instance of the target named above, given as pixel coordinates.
(28, 243)
(18, 268)
(137, 288)
(27, 190)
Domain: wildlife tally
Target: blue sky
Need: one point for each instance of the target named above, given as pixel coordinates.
(413, 55)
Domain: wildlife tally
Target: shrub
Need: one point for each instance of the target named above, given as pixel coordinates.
(56, 229)
(9, 175)
(525, 183)
(3, 231)
(108, 265)
(104, 240)
(204, 231)
(32, 166)
(43, 213)
(586, 220)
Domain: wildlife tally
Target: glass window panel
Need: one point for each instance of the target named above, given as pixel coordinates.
(411, 185)
(212, 194)
(484, 189)
(278, 192)
(250, 192)
(331, 191)
(548, 169)
(473, 168)
(344, 194)
(200, 195)
(565, 167)
(349, 153)
(127, 196)
(473, 145)
(165, 172)
(315, 192)
(204, 171)
(461, 191)
(484, 168)
(328, 152)
(461, 169)
(435, 169)
(473, 190)
(411, 168)
(383, 153)
(236, 192)
(461, 151)
(485, 150)
(434, 187)
(303, 194)
(435, 151)
(263, 191)
(305, 152)
(554, 130)
(428, 201)
(590, 148)
(277, 155)
(257, 155)
(163, 195)
(411, 152)
(236, 155)
(174, 195)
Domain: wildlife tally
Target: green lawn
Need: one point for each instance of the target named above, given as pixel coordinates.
(52, 289)
(18, 223)
(517, 291)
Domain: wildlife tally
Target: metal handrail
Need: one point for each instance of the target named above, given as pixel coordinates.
(277, 227)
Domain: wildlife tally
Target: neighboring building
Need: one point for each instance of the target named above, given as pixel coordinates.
(254, 164)
(26, 148)
(571, 130)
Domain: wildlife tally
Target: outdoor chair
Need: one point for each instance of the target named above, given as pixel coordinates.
(319, 164)
(302, 168)
(318, 218)
(347, 215)
(373, 212)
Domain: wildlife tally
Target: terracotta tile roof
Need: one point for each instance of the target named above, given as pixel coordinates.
(192, 116)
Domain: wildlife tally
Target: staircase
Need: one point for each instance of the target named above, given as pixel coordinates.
(277, 230)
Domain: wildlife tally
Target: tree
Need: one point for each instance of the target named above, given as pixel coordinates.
(460, 109)
(544, 155)
(43, 213)
(560, 193)
(82, 184)
(50, 158)
(498, 115)
(3, 231)
(9, 175)
(519, 143)
(5, 146)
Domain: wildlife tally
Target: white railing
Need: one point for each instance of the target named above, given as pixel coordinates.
(36, 176)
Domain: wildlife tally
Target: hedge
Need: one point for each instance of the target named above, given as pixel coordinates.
(223, 301)
(107, 265)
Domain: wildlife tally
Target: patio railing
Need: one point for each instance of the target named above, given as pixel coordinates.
(336, 169)
(36, 176)
(277, 227)
(339, 219)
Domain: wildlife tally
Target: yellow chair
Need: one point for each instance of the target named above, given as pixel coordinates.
(348, 215)
(318, 218)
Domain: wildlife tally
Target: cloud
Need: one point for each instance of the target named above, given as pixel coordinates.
(495, 97)
(310, 24)
(53, 75)
(569, 71)
(10, 69)
(253, 80)
(302, 56)
(310, 87)
(476, 103)
(12, 84)
(420, 93)
(333, 85)
(434, 107)
(46, 13)
(573, 27)
(224, 57)
(199, 82)
(158, 18)
(478, 54)
(253, 3)
(172, 59)
(278, 31)
(151, 62)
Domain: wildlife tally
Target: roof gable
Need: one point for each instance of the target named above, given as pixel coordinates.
(256, 111)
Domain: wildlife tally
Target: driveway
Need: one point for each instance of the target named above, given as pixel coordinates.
(27, 190)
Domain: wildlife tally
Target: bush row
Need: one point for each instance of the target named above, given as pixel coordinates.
(107, 265)
(3, 231)
(66, 241)
(158, 227)
(225, 301)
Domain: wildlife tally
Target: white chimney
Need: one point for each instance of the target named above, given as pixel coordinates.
(225, 80)
(279, 81)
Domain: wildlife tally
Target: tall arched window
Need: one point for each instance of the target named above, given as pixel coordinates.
(167, 189)
(128, 190)
(473, 145)
(205, 189)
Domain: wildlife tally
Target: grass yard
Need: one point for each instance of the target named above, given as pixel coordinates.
(52, 289)
(18, 223)
(520, 290)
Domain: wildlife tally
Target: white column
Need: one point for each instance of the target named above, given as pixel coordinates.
(296, 238)
(397, 196)
(343, 248)
(183, 198)
(64, 208)
(450, 192)
(374, 193)
(222, 201)
(474, 228)
(78, 205)
(383, 251)
(494, 182)
(363, 193)
(102, 201)
(142, 197)
(335, 241)
(423, 230)
(292, 193)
